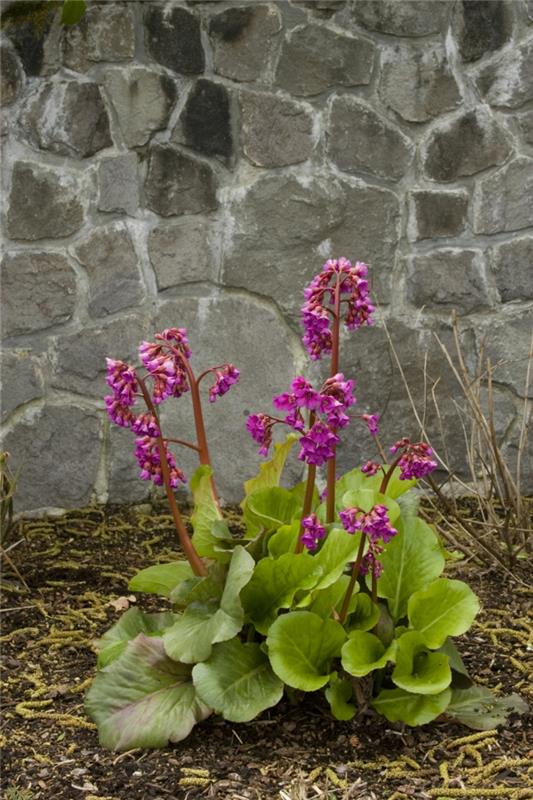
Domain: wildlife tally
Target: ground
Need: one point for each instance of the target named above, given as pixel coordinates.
(77, 567)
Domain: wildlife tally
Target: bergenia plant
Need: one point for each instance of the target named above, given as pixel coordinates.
(340, 594)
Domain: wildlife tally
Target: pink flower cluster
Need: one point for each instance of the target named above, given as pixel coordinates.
(376, 526)
(353, 287)
(163, 361)
(224, 380)
(415, 461)
(149, 460)
(313, 532)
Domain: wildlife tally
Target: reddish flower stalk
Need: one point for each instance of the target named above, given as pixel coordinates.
(334, 368)
(353, 579)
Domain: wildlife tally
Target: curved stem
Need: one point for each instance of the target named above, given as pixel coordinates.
(185, 444)
(355, 574)
(335, 348)
(207, 371)
(193, 558)
(388, 475)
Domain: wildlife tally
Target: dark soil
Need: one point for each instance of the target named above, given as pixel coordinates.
(77, 568)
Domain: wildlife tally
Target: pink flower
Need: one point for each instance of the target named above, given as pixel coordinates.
(415, 461)
(370, 468)
(372, 421)
(318, 445)
(123, 381)
(260, 428)
(224, 380)
(119, 413)
(148, 458)
(314, 532)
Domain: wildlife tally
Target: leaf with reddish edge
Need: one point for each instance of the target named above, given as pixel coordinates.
(131, 623)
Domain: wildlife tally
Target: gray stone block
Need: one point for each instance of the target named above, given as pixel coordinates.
(81, 370)
(434, 214)
(29, 32)
(105, 33)
(244, 41)
(507, 82)
(173, 39)
(178, 184)
(275, 132)
(512, 264)
(21, 380)
(464, 144)
(525, 122)
(124, 484)
(68, 118)
(142, 99)
(43, 203)
(503, 201)
(414, 18)
(205, 121)
(181, 252)
(417, 83)
(118, 184)
(349, 62)
(361, 141)
(112, 268)
(448, 279)
(506, 342)
(11, 75)
(481, 26)
(285, 229)
(38, 291)
(57, 452)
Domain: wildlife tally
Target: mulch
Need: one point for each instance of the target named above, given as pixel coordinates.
(77, 567)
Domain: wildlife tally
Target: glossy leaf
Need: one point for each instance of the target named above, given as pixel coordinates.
(364, 652)
(324, 601)
(284, 539)
(269, 509)
(481, 710)
(161, 579)
(144, 698)
(417, 669)
(397, 705)
(445, 608)
(237, 681)
(269, 472)
(338, 693)
(338, 550)
(365, 614)
(301, 646)
(366, 499)
(204, 515)
(131, 623)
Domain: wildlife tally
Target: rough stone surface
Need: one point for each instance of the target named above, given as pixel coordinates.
(283, 229)
(178, 184)
(508, 81)
(525, 122)
(21, 380)
(415, 18)
(104, 33)
(275, 132)
(58, 452)
(482, 26)
(68, 118)
(243, 40)
(28, 30)
(349, 62)
(124, 484)
(503, 201)
(143, 100)
(512, 264)
(205, 121)
(43, 203)
(448, 279)
(118, 184)
(468, 143)
(11, 75)
(173, 39)
(181, 252)
(361, 141)
(112, 268)
(507, 342)
(434, 214)
(417, 83)
(38, 290)
(220, 332)
(83, 372)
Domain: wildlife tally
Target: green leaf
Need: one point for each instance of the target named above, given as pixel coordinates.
(418, 670)
(411, 560)
(73, 11)
(338, 550)
(274, 584)
(337, 694)
(299, 491)
(237, 681)
(144, 699)
(365, 614)
(270, 471)
(366, 499)
(269, 509)
(364, 652)
(324, 601)
(161, 579)
(191, 638)
(301, 646)
(205, 514)
(206, 590)
(284, 540)
(445, 608)
(478, 708)
(456, 662)
(131, 623)
(397, 705)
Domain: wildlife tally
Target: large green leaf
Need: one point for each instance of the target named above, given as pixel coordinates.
(417, 669)
(284, 539)
(237, 681)
(270, 471)
(268, 509)
(411, 560)
(161, 579)
(338, 550)
(364, 652)
(206, 513)
(366, 498)
(325, 601)
(274, 584)
(301, 646)
(191, 638)
(131, 623)
(397, 705)
(338, 693)
(364, 615)
(144, 698)
(445, 608)
(478, 708)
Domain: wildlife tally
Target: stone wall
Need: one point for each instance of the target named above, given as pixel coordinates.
(193, 164)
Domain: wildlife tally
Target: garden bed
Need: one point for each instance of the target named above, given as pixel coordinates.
(77, 568)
